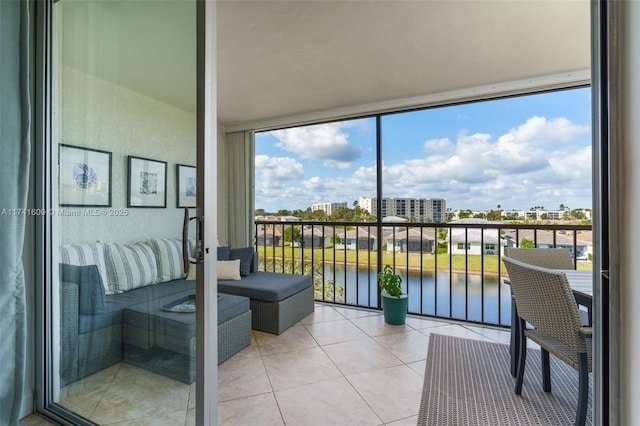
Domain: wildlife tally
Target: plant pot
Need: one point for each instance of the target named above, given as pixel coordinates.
(395, 309)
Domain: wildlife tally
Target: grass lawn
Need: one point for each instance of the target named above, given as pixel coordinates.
(471, 263)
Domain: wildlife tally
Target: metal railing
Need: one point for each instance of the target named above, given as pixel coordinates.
(449, 270)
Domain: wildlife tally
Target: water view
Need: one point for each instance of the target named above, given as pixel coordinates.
(486, 301)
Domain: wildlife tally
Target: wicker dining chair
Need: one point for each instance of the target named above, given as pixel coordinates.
(545, 301)
(551, 258)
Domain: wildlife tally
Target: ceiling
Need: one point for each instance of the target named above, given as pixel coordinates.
(279, 59)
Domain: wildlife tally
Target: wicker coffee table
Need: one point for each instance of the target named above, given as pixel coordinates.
(164, 342)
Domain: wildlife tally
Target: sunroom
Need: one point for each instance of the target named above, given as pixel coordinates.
(157, 95)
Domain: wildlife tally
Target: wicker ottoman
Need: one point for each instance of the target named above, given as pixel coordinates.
(277, 300)
(164, 342)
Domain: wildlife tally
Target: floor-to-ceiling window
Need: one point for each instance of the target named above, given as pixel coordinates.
(411, 175)
(124, 151)
(522, 160)
(319, 173)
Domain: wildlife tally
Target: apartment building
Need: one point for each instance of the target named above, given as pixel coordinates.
(328, 208)
(414, 209)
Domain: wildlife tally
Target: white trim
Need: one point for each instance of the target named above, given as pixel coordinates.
(517, 87)
(207, 318)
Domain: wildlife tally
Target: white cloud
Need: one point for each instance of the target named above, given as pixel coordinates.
(535, 161)
(540, 131)
(326, 142)
(314, 184)
(540, 162)
(316, 190)
(278, 168)
(438, 145)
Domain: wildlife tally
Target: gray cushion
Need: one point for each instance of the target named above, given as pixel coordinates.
(224, 252)
(230, 306)
(245, 255)
(90, 287)
(149, 316)
(180, 324)
(115, 304)
(266, 286)
(256, 262)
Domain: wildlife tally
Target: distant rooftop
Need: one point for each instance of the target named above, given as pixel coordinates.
(394, 219)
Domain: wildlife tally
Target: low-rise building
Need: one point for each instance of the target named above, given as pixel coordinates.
(547, 239)
(474, 240)
(361, 238)
(412, 240)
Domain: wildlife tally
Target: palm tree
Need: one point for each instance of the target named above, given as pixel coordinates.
(356, 209)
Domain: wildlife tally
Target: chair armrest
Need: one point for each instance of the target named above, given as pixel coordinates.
(586, 331)
(586, 301)
(583, 300)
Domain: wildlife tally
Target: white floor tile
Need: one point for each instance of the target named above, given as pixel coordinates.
(393, 393)
(336, 366)
(331, 402)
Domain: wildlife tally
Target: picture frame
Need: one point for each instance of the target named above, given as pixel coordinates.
(84, 177)
(147, 182)
(186, 186)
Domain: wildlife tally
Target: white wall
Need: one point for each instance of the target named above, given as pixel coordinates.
(629, 145)
(98, 114)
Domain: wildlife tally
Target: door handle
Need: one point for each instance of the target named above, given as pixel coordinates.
(198, 257)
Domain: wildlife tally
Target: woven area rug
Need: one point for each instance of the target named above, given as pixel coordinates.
(468, 382)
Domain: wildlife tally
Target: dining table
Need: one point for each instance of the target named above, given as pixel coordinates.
(581, 282)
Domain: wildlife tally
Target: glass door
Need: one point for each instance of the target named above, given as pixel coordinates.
(124, 152)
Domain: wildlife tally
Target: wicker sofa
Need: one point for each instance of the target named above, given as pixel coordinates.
(110, 310)
(95, 334)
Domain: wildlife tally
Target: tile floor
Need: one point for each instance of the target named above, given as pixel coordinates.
(338, 366)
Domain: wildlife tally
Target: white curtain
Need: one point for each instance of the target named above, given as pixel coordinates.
(240, 188)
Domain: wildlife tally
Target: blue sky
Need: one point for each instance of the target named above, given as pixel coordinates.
(518, 152)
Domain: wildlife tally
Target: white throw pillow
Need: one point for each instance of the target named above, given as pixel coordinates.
(130, 266)
(229, 269)
(168, 253)
(87, 254)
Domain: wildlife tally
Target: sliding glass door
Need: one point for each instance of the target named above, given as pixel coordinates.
(125, 132)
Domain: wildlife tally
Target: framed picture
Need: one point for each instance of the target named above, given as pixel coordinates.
(186, 186)
(84, 177)
(147, 183)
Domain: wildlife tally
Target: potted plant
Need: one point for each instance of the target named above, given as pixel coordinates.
(394, 301)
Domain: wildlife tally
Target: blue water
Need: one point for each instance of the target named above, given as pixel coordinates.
(483, 300)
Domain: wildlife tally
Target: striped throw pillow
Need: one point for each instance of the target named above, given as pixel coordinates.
(168, 253)
(86, 254)
(130, 266)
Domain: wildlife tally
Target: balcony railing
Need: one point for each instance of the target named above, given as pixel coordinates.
(450, 271)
